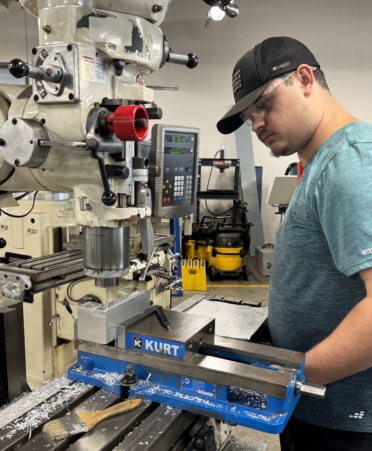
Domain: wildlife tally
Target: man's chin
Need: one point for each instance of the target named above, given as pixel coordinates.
(275, 152)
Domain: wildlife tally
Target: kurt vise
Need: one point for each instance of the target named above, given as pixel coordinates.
(176, 359)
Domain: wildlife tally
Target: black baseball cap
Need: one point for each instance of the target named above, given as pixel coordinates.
(254, 71)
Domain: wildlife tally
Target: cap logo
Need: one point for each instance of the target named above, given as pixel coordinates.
(281, 66)
(237, 82)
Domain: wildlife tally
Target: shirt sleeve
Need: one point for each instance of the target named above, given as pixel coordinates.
(343, 204)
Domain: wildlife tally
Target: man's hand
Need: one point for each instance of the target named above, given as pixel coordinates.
(348, 350)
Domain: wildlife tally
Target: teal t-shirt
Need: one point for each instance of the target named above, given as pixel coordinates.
(323, 242)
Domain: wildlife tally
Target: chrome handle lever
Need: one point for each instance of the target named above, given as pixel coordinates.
(305, 388)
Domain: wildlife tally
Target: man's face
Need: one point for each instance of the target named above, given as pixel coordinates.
(281, 118)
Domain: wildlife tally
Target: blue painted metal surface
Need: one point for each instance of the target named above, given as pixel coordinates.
(174, 226)
(150, 345)
(230, 404)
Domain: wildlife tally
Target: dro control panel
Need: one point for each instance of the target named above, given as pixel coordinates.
(175, 150)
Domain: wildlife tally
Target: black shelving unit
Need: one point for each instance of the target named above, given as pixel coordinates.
(216, 193)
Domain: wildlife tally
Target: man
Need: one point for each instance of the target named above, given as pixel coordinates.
(320, 295)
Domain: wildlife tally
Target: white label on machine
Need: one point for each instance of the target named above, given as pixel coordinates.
(92, 69)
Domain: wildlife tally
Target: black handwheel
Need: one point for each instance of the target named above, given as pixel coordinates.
(245, 272)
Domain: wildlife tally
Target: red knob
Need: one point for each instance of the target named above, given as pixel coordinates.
(129, 123)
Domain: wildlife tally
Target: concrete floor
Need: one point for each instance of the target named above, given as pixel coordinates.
(254, 289)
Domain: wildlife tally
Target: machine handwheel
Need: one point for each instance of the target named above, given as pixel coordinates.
(245, 272)
(212, 273)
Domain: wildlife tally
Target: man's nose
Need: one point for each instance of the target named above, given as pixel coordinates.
(257, 122)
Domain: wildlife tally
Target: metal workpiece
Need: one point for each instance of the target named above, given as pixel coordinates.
(189, 303)
(187, 334)
(20, 142)
(159, 431)
(257, 352)
(99, 324)
(106, 251)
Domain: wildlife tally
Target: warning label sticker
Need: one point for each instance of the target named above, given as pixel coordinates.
(93, 69)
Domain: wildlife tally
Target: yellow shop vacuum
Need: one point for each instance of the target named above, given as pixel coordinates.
(222, 246)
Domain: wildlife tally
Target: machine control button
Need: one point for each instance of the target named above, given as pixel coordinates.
(2, 243)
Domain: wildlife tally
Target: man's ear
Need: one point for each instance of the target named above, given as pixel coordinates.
(306, 77)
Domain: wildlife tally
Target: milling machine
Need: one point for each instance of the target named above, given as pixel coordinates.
(79, 129)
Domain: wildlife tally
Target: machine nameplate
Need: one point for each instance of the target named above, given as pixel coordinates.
(92, 69)
(152, 345)
(200, 387)
(187, 331)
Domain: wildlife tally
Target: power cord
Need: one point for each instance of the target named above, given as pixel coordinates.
(85, 298)
(26, 214)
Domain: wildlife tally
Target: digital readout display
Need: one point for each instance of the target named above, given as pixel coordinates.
(178, 150)
(179, 144)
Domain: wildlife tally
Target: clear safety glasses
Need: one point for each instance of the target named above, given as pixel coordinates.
(261, 107)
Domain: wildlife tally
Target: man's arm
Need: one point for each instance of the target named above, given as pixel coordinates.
(348, 350)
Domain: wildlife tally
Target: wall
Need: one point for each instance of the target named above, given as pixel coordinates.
(339, 32)
(18, 34)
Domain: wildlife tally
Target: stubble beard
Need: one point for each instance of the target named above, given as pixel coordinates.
(298, 146)
(282, 152)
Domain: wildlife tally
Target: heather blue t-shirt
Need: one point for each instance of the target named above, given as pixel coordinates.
(323, 242)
